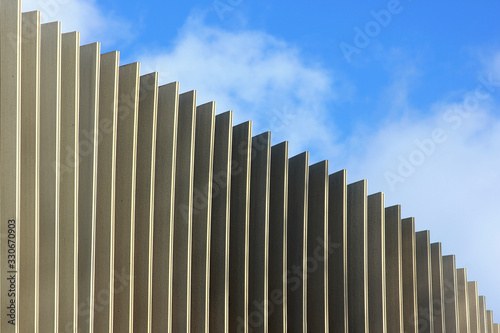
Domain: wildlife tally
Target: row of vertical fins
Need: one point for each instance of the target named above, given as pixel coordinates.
(127, 207)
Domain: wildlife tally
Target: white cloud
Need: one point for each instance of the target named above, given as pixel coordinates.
(84, 16)
(260, 77)
(443, 170)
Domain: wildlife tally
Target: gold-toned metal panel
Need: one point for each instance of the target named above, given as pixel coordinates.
(278, 217)
(106, 180)
(377, 304)
(183, 215)
(202, 216)
(219, 242)
(394, 273)
(317, 248)
(166, 147)
(410, 305)
(240, 215)
(489, 320)
(437, 288)
(482, 314)
(463, 301)
(30, 113)
(126, 153)
(473, 299)
(450, 294)
(424, 281)
(337, 260)
(68, 205)
(89, 141)
(144, 202)
(258, 246)
(298, 186)
(50, 112)
(357, 256)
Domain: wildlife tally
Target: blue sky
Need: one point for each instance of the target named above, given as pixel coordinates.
(402, 93)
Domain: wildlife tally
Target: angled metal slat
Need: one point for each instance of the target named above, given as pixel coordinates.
(463, 300)
(89, 120)
(473, 299)
(482, 314)
(317, 248)
(105, 210)
(278, 238)
(394, 271)
(489, 320)
(10, 132)
(357, 256)
(183, 215)
(219, 242)
(239, 217)
(450, 294)
(258, 247)
(424, 281)
(144, 203)
(30, 113)
(337, 259)
(437, 288)
(68, 228)
(126, 153)
(50, 99)
(376, 263)
(166, 146)
(202, 209)
(410, 301)
(298, 185)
